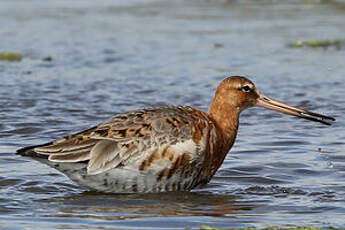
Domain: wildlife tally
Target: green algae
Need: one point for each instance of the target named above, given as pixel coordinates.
(338, 44)
(10, 56)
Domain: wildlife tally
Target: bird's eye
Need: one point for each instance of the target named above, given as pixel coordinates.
(246, 88)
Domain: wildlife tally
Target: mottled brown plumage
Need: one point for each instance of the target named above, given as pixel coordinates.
(168, 148)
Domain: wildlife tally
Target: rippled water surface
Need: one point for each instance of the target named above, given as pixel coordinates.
(114, 56)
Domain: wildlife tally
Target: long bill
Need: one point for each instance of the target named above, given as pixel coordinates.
(269, 103)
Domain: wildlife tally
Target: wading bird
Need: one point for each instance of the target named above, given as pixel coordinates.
(168, 148)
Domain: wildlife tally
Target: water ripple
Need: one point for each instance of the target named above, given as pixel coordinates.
(128, 55)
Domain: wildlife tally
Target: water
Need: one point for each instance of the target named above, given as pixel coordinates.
(114, 56)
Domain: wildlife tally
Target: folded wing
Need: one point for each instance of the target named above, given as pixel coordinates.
(139, 138)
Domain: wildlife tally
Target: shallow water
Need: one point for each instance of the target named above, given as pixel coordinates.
(114, 56)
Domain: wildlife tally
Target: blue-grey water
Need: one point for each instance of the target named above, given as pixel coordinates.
(113, 56)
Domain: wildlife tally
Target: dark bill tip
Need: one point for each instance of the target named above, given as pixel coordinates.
(272, 104)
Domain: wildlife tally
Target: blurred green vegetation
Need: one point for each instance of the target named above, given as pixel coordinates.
(208, 227)
(10, 56)
(338, 44)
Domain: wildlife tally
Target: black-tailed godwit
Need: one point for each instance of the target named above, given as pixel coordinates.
(168, 148)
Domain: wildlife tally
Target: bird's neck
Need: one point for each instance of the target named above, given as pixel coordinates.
(226, 117)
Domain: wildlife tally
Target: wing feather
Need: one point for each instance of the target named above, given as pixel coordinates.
(139, 137)
(102, 153)
(72, 157)
(68, 147)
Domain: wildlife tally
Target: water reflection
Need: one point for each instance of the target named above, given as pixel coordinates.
(121, 207)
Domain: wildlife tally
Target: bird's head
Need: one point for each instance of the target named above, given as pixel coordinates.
(240, 93)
